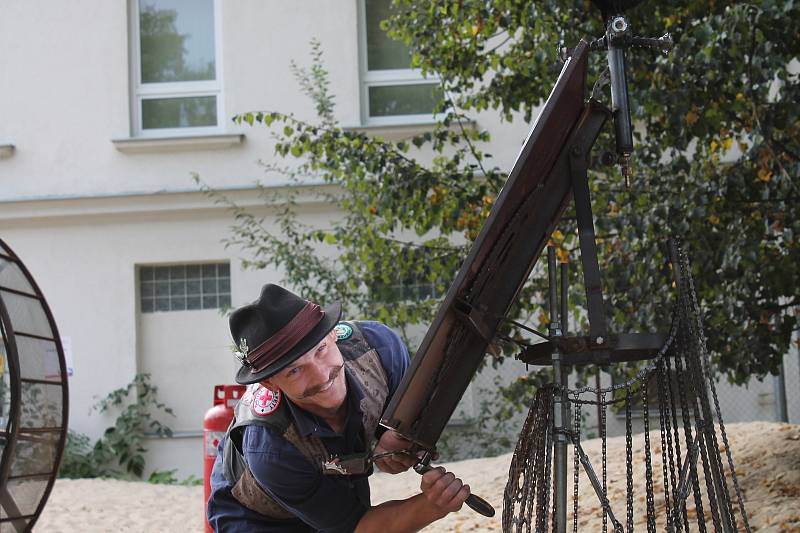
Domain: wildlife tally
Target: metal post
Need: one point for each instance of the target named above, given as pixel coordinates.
(564, 318)
(617, 29)
(779, 386)
(560, 403)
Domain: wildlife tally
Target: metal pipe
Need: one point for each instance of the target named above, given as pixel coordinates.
(598, 488)
(564, 316)
(779, 387)
(553, 286)
(620, 107)
(560, 404)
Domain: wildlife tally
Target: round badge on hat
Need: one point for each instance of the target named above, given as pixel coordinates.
(265, 401)
(343, 331)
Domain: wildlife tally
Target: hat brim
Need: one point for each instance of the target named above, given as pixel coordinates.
(333, 313)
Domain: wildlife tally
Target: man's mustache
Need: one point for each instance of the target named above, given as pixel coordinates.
(316, 389)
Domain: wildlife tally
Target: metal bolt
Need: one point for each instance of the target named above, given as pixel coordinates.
(599, 340)
(609, 158)
(619, 24)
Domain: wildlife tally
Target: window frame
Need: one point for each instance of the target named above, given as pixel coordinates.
(182, 89)
(218, 294)
(387, 77)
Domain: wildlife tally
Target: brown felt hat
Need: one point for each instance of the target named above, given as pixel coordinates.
(276, 329)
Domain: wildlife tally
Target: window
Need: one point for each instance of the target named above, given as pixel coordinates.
(412, 289)
(392, 92)
(418, 284)
(184, 287)
(176, 75)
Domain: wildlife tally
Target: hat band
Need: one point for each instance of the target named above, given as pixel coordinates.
(287, 337)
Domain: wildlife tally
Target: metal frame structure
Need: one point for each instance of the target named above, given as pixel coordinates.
(552, 165)
(25, 482)
(513, 237)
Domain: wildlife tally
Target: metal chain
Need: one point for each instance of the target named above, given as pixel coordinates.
(548, 465)
(640, 375)
(683, 342)
(679, 393)
(685, 265)
(576, 439)
(604, 457)
(648, 472)
(526, 477)
(681, 520)
(666, 440)
(697, 379)
(628, 462)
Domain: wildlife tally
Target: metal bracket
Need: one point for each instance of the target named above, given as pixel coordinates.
(579, 166)
(473, 318)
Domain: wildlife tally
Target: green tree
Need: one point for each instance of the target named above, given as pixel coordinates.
(717, 157)
(716, 162)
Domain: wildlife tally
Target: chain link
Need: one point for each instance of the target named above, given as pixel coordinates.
(628, 461)
(576, 440)
(705, 359)
(683, 395)
(528, 476)
(648, 472)
(666, 440)
(604, 456)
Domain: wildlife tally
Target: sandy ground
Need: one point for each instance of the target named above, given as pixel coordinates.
(767, 458)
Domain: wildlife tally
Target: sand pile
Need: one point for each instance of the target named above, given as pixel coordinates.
(767, 458)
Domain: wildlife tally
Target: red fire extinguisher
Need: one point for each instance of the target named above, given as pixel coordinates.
(215, 424)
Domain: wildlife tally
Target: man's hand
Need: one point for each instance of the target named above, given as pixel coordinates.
(444, 491)
(391, 441)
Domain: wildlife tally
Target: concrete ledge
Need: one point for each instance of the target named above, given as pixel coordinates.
(152, 202)
(134, 145)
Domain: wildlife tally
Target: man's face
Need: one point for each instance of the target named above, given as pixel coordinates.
(314, 381)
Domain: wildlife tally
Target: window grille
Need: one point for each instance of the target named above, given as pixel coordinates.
(184, 287)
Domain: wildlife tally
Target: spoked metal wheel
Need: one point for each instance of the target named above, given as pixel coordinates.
(33, 396)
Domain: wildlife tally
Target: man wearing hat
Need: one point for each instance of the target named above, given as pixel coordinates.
(297, 454)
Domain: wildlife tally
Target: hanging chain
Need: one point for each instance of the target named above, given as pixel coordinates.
(651, 511)
(705, 359)
(666, 439)
(682, 393)
(683, 519)
(548, 465)
(699, 399)
(576, 440)
(527, 476)
(604, 456)
(628, 461)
